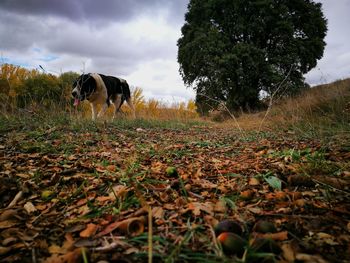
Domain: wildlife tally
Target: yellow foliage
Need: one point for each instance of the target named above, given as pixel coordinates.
(154, 109)
(191, 106)
(17, 82)
(15, 75)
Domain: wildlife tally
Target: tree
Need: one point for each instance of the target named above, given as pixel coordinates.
(42, 89)
(231, 50)
(66, 81)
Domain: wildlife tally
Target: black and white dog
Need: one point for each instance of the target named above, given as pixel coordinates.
(104, 90)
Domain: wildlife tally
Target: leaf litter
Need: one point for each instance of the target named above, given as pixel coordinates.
(85, 195)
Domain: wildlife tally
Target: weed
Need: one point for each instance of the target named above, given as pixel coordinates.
(273, 181)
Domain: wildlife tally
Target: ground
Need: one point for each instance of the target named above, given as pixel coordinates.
(80, 191)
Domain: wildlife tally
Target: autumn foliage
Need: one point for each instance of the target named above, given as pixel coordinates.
(32, 89)
(162, 190)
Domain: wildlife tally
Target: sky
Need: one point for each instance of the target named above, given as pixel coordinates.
(132, 39)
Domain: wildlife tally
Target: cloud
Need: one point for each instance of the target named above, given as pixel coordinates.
(133, 39)
(96, 11)
(121, 38)
(335, 63)
(166, 87)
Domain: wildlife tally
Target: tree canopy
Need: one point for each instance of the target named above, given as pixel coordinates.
(231, 50)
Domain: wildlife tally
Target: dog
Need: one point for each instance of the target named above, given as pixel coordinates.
(104, 90)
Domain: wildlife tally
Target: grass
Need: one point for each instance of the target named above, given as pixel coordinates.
(80, 161)
(320, 111)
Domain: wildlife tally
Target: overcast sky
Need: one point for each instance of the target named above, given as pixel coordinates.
(132, 39)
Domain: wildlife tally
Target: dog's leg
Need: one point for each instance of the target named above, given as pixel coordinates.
(93, 111)
(103, 110)
(131, 105)
(117, 104)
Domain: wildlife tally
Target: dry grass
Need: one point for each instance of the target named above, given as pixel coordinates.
(148, 111)
(322, 109)
(325, 103)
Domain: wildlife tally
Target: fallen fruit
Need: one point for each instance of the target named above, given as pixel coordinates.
(46, 194)
(232, 244)
(264, 227)
(228, 226)
(171, 171)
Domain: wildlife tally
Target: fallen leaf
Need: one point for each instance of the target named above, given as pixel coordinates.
(299, 202)
(89, 231)
(274, 182)
(55, 249)
(253, 181)
(29, 207)
(7, 214)
(306, 258)
(247, 194)
(288, 252)
(220, 206)
(70, 257)
(7, 224)
(280, 236)
(103, 199)
(4, 250)
(158, 212)
(118, 191)
(197, 207)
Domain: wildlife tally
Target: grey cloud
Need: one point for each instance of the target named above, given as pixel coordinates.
(61, 36)
(95, 11)
(17, 33)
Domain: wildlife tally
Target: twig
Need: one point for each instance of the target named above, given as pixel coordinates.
(330, 186)
(231, 115)
(16, 199)
(34, 256)
(196, 195)
(110, 246)
(272, 97)
(217, 248)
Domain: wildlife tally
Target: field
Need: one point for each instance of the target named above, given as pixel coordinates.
(73, 190)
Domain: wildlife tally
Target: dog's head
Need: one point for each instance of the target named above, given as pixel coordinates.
(83, 87)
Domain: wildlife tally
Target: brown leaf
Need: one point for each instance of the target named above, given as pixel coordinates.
(247, 194)
(280, 195)
(299, 202)
(103, 199)
(305, 258)
(7, 214)
(7, 224)
(70, 257)
(89, 231)
(220, 207)
(118, 191)
(29, 207)
(111, 168)
(158, 212)
(55, 249)
(197, 207)
(4, 250)
(280, 236)
(288, 252)
(253, 181)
